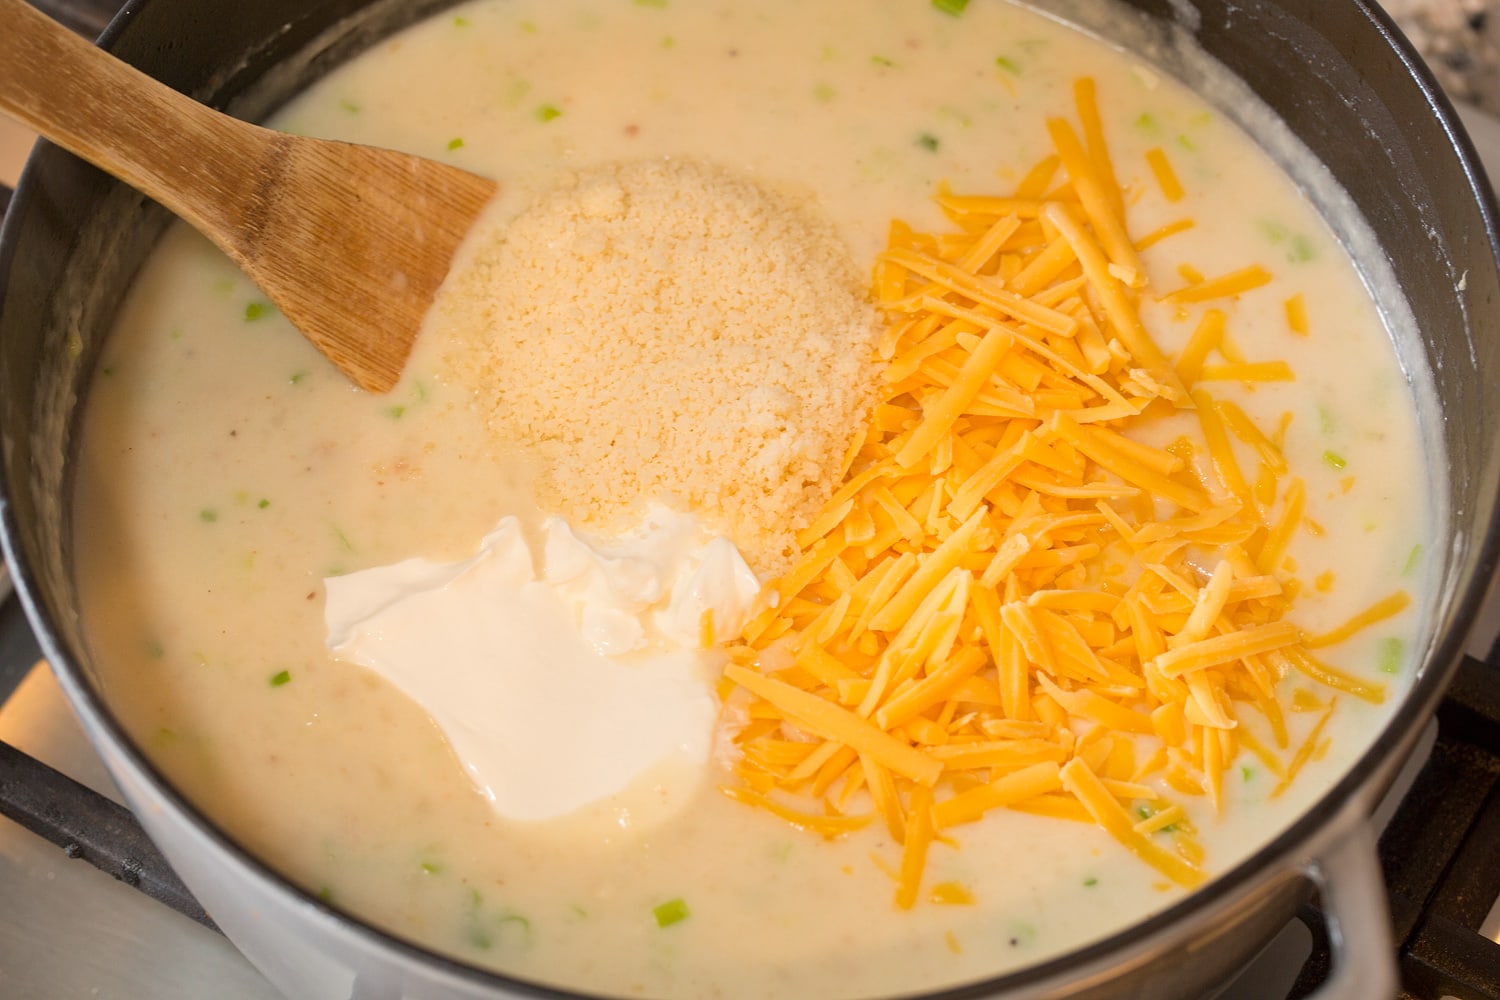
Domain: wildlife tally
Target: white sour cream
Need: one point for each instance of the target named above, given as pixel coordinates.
(562, 673)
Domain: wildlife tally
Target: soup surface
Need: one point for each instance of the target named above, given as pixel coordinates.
(227, 471)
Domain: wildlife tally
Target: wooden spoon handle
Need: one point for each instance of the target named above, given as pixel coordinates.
(351, 242)
(126, 123)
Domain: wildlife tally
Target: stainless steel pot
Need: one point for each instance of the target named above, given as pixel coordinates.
(1335, 71)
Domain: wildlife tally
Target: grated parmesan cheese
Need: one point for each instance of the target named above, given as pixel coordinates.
(670, 331)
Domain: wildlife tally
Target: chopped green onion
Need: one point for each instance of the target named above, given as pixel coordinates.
(1146, 812)
(1334, 460)
(824, 92)
(281, 677)
(1246, 772)
(349, 106)
(883, 61)
(515, 92)
(256, 310)
(460, 21)
(1391, 655)
(671, 912)
(431, 867)
(1274, 231)
(1412, 560)
(954, 8)
(208, 515)
(395, 412)
(264, 503)
(1299, 246)
(1008, 64)
(928, 141)
(1022, 934)
(547, 112)
(297, 377)
(1090, 882)
(954, 115)
(456, 142)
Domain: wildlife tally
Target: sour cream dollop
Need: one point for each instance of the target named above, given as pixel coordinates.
(563, 670)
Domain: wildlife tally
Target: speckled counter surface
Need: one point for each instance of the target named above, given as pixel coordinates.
(1460, 39)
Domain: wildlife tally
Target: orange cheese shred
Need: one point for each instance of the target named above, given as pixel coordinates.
(1013, 602)
(1166, 177)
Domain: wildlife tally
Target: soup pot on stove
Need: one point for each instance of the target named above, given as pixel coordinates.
(1338, 75)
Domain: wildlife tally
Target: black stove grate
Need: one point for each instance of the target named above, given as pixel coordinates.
(1441, 854)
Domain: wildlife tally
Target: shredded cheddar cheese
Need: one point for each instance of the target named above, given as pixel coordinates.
(1296, 315)
(1002, 606)
(1166, 177)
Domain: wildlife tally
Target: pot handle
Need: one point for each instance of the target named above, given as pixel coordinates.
(1352, 889)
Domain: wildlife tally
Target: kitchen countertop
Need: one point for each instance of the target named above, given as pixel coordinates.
(1460, 39)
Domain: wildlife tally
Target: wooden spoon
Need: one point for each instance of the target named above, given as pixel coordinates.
(350, 242)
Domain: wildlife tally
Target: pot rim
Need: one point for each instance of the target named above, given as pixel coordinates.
(1370, 772)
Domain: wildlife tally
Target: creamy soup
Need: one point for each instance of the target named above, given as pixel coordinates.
(227, 471)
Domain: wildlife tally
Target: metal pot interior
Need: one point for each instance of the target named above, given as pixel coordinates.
(1335, 73)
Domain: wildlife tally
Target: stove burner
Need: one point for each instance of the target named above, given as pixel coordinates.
(1441, 855)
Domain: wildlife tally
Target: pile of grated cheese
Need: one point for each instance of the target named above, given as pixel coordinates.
(1012, 603)
(670, 331)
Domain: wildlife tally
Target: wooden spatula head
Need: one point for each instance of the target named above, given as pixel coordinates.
(352, 243)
